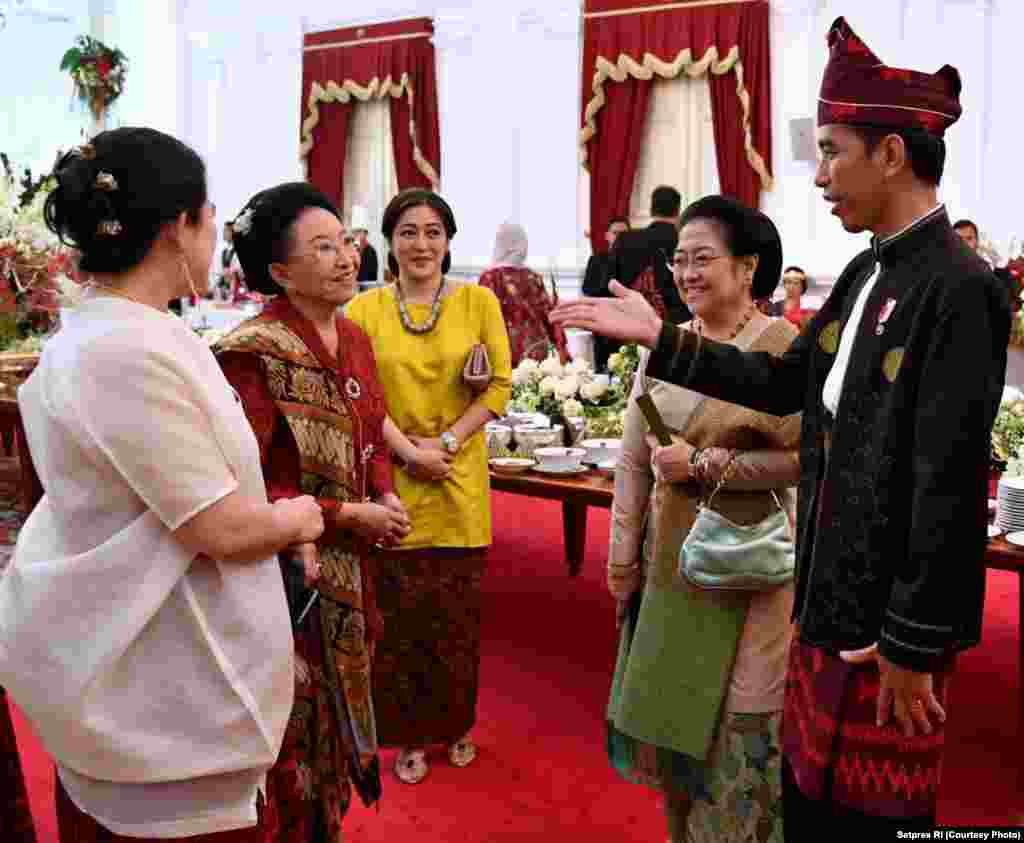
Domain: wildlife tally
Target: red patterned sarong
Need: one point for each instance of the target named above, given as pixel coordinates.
(15, 816)
(837, 752)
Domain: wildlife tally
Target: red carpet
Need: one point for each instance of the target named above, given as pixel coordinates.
(548, 648)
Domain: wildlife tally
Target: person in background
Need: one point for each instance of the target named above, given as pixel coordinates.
(899, 377)
(794, 280)
(368, 267)
(309, 387)
(151, 556)
(641, 259)
(595, 283)
(968, 232)
(698, 687)
(424, 329)
(525, 303)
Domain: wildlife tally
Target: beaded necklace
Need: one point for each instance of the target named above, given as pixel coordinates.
(699, 324)
(403, 313)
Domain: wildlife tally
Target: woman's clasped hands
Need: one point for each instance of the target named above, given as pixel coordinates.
(432, 461)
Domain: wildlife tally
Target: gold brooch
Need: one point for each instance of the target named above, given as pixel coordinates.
(828, 339)
(105, 181)
(891, 363)
(109, 228)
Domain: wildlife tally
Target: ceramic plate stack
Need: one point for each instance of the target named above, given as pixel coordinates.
(1010, 515)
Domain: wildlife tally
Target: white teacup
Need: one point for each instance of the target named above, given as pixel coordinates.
(497, 436)
(559, 459)
(529, 437)
(602, 450)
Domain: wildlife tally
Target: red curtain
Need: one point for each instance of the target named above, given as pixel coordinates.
(611, 131)
(615, 154)
(398, 56)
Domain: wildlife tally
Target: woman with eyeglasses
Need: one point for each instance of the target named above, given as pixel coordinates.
(308, 383)
(697, 692)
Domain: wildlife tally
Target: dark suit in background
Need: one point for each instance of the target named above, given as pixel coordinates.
(645, 249)
(595, 283)
(368, 265)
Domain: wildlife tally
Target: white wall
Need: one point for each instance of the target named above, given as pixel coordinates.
(226, 76)
(923, 35)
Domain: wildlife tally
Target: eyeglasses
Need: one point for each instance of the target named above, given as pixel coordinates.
(329, 251)
(681, 263)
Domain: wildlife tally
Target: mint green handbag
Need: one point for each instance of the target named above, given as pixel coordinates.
(719, 554)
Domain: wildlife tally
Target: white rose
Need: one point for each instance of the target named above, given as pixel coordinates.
(567, 387)
(551, 366)
(548, 385)
(528, 364)
(572, 409)
(1011, 394)
(615, 362)
(520, 376)
(594, 390)
(579, 366)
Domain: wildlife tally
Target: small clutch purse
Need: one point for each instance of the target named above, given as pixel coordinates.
(477, 372)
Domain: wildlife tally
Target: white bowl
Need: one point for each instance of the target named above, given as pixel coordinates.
(559, 458)
(497, 435)
(520, 417)
(601, 450)
(529, 437)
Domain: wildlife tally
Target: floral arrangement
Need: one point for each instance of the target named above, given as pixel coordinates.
(34, 270)
(1008, 433)
(1016, 269)
(97, 71)
(573, 390)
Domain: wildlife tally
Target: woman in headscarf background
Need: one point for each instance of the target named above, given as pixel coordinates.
(308, 383)
(697, 694)
(525, 303)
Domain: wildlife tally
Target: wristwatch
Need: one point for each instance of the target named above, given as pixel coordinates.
(449, 442)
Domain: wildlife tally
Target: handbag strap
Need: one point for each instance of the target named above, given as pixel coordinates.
(727, 474)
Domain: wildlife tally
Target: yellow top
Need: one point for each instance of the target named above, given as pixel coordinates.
(422, 379)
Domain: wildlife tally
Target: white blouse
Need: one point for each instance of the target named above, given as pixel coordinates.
(161, 684)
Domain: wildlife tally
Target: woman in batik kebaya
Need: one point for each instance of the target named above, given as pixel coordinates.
(525, 303)
(308, 383)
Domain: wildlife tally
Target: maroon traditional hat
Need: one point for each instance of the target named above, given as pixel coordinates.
(857, 89)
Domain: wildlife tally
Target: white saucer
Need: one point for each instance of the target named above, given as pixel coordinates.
(562, 472)
(1015, 538)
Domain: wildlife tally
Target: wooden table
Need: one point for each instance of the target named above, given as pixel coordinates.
(575, 493)
(591, 489)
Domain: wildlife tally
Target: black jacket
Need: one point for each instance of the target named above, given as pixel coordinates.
(893, 550)
(595, 276)
(368, 265)
(643, 248)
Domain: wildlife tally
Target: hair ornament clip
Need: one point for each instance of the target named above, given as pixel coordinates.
(242, 224)
(86, 151)
(105, 181)
(109, 228)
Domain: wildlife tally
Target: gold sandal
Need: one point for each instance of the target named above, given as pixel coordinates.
(462, 753)
(411, 766)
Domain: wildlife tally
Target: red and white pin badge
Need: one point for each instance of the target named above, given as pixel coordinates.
(883, 316)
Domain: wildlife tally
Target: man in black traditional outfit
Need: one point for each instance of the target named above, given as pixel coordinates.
(899, 378)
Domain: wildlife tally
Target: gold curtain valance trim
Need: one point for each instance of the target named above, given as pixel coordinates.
(360, 41)
(625, 67)
(348, 90)
(664, 7)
